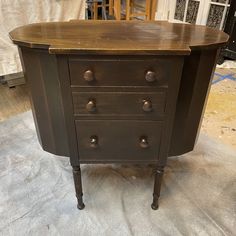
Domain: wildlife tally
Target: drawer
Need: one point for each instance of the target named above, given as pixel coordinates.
(119, 103)
(115, 141)
(122, 72)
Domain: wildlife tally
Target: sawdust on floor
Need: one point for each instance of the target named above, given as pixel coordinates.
(220, 114)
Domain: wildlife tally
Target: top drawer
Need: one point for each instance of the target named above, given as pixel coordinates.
(122, 72)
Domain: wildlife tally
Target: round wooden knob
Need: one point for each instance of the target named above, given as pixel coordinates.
(143, 142)
(150, 76)
(91, 106)
(147, 106)
(89, 76)
(93, 141)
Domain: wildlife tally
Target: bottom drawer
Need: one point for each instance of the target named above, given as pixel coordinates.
(118, 141)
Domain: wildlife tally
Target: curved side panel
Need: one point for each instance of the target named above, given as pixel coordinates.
(40, 69)
(194, 88)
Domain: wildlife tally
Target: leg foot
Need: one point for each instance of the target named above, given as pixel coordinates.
(78, 187)
(155, 203)
(80, 206)
(157, 186)
(154, 207)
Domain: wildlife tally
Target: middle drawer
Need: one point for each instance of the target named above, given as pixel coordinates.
(119, 103)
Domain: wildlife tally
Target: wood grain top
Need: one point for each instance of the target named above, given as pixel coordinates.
(118, 37)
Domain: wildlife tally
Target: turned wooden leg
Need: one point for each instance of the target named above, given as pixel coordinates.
(78, 187)
(157, 186)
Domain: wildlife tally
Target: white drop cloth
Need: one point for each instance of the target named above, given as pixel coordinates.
(15, 13)
(37, 195)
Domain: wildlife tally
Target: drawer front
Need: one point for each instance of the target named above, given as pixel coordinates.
(115, 141)
(122, 72)
(119, 104)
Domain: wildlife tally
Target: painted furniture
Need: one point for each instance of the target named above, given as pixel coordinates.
(118, 92)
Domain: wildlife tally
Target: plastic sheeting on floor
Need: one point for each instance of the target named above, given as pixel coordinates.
(15, 13)
(37, 196)
(228, 64)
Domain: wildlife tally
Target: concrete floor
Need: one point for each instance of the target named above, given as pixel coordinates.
(219, 120)
(13, 101)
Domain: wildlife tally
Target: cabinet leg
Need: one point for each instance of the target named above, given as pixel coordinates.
(157, 186)
(78, 187)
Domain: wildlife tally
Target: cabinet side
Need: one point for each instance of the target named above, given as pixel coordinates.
(41, 73)
(195, 84)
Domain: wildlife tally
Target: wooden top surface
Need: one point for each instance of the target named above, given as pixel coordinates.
(118, 37)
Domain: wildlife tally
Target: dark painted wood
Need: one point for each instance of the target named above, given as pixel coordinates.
(118, 37)
(40, 71)
(78, 187)
(158, 172)
(145, 104)
(195, 84)
(118, 140)
(64, 83)
(129, 93)
(172, 93)
(122, 71)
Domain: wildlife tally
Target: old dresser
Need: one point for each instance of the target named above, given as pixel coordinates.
(117, 92)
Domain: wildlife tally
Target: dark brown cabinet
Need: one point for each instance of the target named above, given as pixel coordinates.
(118, 92)
(230, 28)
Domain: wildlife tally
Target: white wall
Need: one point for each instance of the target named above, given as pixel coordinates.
(165, 9)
